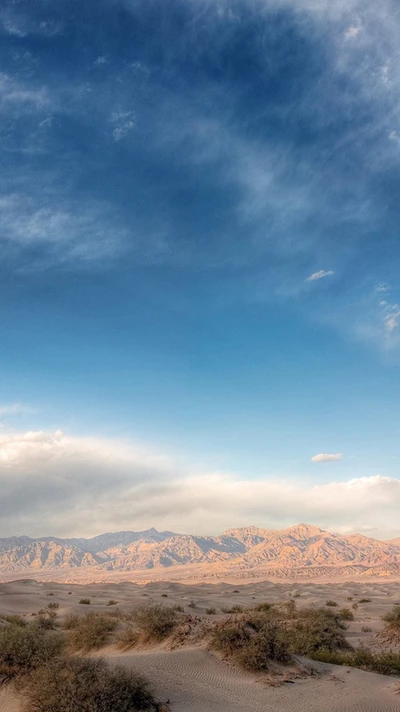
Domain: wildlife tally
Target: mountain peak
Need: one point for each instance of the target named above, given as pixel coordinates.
(305, 531)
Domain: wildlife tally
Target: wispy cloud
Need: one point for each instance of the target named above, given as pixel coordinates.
(319, 275)
(15, 409)
(149, 489)
(324, 457)
(124, 122)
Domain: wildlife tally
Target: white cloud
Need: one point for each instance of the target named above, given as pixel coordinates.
(352, 32)
(99, 61)
(324, 457)
(124, 122)
(319, 275)
(61, 485)
(394, 136)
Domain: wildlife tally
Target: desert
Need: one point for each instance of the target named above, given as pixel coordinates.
(186, 674)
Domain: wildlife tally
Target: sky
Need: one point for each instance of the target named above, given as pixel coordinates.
(200, 259)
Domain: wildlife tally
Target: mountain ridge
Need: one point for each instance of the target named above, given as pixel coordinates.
(301, 548)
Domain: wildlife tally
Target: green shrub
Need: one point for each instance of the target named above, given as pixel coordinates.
(346, 614)
(87, 685)
(314, 629)
(91, 632)
(155, 621)
(22, 649)
(85, 601)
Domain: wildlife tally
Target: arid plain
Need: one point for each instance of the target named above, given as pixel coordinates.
(189, 677)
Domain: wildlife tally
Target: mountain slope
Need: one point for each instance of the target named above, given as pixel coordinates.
(300, 550)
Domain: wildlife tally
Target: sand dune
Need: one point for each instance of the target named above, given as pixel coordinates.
(193, 679)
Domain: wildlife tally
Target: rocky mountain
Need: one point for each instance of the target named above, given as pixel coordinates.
(300, 551)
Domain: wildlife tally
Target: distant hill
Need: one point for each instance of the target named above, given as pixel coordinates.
(300, 551)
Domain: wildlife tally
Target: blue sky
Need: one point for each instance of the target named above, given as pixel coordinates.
(200, 255)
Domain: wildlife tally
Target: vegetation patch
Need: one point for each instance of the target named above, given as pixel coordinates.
(155, 621)
(25, 648)
(87, 685)
(91, 632)
(383, 663)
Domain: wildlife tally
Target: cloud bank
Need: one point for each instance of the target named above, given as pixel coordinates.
(51, 483)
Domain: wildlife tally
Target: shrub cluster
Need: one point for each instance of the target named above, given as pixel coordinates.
(24, 648)
(383, 663)
(87, 685)
(155, 621)
(259, 636)
(91, 631)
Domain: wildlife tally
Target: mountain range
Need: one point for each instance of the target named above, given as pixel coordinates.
(302, 551)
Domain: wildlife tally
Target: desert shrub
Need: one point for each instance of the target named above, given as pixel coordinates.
(364, 600)
(233, 609)
(46, 620)
(252, 640)
(192, 604)
(155, 621)
(53, 605)
(211, 611)
(314, 629)
(49, 594)
(15, 619)
(383, 663)
(85, 601)
(111, 602)
(366, 629)
(164, 595)
(91, 632)
(354, 605)
(87, 685)
(393, 617)
(178, 608)
(349, 598)
(331, 603)
(236, 590)
(346, 614)
(263, 607)
(71, 621)
(22, 649)
(127, 637)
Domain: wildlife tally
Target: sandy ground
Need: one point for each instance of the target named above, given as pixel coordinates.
(195, 680)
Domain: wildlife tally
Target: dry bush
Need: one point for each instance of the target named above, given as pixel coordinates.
(252, 639)
(155, 621)
(211, 611)
(383, 663)
(365, 600)
(22, 649)
(85, 601)
(393, 617)
(346, 614)
(111, 602)
(234, 609)
(87, 685)
(127, 637)
(331, 603)
(256, 637)
(15, 619)
(91, 632)
(71, 621)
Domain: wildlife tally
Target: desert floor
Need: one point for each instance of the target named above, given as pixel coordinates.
(194, 680)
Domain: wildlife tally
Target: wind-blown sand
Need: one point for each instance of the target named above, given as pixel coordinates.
(195, 680)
